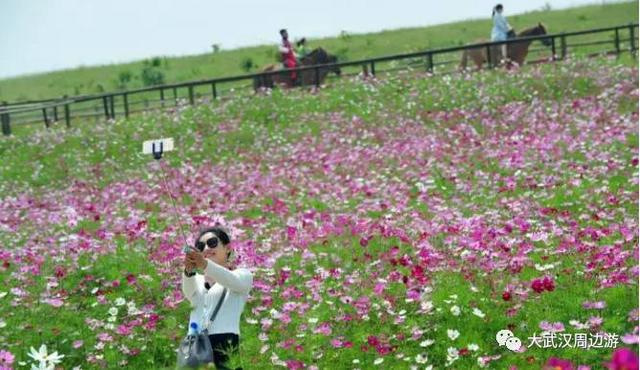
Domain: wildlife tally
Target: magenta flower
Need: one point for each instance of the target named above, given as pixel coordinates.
(537, 286)
(555, 363)
(623, 359)
(123, 330)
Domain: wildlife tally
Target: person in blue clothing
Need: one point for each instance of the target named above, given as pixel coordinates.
(501, 30)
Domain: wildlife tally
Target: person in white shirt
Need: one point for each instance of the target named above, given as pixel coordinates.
(501, 28)
(204, 291)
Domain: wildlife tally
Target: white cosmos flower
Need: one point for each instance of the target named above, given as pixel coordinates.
(42, 366)
(113, 311)
(120, 301)
(455, 310)
(421, 358)
(427, 343)
(453, 334)
(46, 361)
(39, 355)
(473, 347)
(378, 361)
(452, 354)
(478, 313)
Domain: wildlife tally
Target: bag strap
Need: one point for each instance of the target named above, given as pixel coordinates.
(215, 312)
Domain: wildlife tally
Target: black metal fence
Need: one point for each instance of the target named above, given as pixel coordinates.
(124, 103)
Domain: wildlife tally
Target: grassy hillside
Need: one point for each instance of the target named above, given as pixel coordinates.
(348, 47)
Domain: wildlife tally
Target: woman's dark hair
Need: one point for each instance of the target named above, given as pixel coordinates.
(301, 41)
(495, 9)
(220, 232)
(283, 31)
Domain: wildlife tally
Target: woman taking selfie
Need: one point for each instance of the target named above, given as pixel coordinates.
(205, 291)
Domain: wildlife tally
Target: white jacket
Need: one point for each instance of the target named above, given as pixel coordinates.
(238, 283)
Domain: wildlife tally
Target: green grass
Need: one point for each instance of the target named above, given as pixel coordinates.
(88, 80)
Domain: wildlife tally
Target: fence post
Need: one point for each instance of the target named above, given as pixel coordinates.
(632, 40)
(162, 97)
(6, 126)
(617, 42)
(44, 115)
(175, 95)
(106, 106)
(113, 111)
(365, 70)
(55, 113)
(317, 76)
(373, 68)
(553, 49)
(563, 46)
(67, 115)
(125, 98)
(489, 64)
(191, 94)
(430, 63)
(213, 91)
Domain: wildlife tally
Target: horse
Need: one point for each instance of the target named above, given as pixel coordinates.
(304, 78)
(516, 51)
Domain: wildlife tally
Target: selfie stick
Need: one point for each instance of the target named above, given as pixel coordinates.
(157, 149)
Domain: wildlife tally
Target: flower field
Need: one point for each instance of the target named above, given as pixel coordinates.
(398, 223)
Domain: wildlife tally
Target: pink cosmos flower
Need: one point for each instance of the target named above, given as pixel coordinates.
(323, 328)
(599, 305)
(552, 327)
(55, 302)
(294, 364)
(105, 337)
(123, 330)
(555, 363)
(6, 359)
(623, 359)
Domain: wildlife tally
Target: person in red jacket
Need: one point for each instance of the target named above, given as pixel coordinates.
(288, 55)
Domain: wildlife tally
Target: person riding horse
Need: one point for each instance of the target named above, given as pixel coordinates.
(301, 48)
(501, 30)
(287, 54)
(308, 77)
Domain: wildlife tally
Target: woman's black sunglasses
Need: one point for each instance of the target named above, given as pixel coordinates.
(211, 243)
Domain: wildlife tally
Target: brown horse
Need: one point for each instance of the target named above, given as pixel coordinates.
(516, 51)
(304, 78)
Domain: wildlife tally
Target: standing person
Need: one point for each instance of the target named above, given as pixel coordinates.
(204, 291)
(288, 55)
(501, 28)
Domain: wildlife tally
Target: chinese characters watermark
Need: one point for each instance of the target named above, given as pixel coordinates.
(577, 340)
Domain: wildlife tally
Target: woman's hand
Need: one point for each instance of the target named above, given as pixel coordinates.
(188, 265)
(196, 259)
